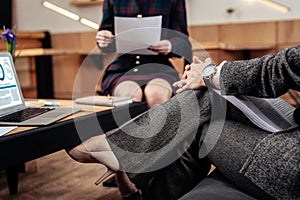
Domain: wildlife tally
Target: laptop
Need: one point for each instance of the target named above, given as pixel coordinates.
(13, 110)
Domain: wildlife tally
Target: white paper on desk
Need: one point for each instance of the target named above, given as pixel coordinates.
(6, 129)
(134, 35)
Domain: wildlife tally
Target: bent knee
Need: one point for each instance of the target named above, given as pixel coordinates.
(129, 89)
(157, 92)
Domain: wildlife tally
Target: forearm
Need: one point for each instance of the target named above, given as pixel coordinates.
(269, 76)
(108, 25)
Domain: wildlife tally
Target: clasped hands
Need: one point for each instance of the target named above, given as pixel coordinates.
(192, 76)
(105, 37)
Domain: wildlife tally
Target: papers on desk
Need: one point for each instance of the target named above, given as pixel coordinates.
(134, 35)
(113, 101)
(6, 129)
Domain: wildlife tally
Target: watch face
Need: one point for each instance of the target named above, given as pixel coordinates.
(208, 71)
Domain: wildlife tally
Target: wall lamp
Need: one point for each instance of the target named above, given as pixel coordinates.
(70, 15)
(276, 5)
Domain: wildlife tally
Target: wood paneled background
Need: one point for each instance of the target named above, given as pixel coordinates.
(233, 41)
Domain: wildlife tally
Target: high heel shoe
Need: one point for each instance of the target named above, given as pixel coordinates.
(108, 159)
(91, 151)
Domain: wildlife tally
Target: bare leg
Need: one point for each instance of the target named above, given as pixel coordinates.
(129, 89)
(82, 152)
(132, 89)
(157, 92)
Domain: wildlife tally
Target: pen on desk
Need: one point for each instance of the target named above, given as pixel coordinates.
(110, 100)
(52, 104)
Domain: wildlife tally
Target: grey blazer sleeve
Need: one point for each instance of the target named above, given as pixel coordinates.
(269, 76)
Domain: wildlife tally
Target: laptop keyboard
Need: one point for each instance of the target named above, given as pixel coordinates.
(25, 114)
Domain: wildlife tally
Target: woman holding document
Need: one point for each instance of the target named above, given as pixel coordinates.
(144, 76)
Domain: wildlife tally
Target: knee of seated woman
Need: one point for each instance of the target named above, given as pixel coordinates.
(157, 94)
(158, 86)
(129, 89)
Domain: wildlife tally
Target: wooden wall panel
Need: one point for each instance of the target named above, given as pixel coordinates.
(231, 55)
(260, 53)
(87, 41)
(289, 32)
(65, 41)
(77, 68)
(64, 72)
(204, 33)
(249, 34)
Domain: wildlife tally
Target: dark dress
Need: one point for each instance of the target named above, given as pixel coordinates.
(143, 68)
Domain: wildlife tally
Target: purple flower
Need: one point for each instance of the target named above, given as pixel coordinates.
(8, 36)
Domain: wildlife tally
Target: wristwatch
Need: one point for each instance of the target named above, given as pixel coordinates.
(207, 73)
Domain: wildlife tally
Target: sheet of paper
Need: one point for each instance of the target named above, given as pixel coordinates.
(6, 129)
(134, 35)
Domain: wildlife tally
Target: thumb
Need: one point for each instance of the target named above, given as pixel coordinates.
(208, 61)
(196, 60)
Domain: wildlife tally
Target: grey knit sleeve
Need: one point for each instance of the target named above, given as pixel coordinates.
(269, 76)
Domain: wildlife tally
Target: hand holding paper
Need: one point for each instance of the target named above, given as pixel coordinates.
(136, 35)
(104, 38)
(162, 47)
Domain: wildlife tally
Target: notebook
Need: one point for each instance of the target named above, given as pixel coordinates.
(12, 105)
(113, 101)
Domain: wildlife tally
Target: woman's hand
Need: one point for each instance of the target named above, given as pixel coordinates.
(162, 47)
(192, 76)
(104, 38)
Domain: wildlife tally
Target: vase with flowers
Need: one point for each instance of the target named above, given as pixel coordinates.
(9, 36)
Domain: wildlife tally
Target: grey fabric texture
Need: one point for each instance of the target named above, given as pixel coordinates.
(274, 165)
(169, 158)
(216, 187)
(268, 76)
(161, 135)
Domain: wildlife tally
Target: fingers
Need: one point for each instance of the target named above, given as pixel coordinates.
(104, 38)
(180, 83)
(208, 61)
(182, 89)
(196, 60)
(187, 67)
(162, 47)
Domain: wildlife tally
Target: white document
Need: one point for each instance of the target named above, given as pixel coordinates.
(6, 129)
(271, 115)
(134, 35)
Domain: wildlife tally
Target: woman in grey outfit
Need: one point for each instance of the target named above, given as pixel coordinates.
(167, 155)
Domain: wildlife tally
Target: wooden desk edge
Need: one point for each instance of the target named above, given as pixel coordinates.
(54, 52)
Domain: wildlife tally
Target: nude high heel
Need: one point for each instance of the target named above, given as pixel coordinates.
(108, 159)
(105, 157)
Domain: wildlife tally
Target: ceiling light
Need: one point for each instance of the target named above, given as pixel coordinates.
(61, 10)
(276, 5)
(70, 14)
(89, 23)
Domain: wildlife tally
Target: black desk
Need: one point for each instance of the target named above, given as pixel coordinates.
(24, 146)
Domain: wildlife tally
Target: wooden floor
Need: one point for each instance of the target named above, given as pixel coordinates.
(59, 177)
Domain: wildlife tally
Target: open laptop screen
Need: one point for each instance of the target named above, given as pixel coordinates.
(10, 94)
